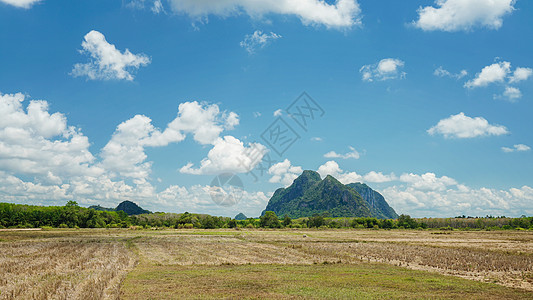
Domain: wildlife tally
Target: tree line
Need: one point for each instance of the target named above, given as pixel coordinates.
(74, 216)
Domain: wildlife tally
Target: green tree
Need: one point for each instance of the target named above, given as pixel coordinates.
(287, 221)
(72, 204)
(269, 220)
(406, 221)
(316, 221)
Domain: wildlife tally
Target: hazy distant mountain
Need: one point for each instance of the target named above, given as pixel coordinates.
(309, 195)
(240, 217)
(378, 206)
(101, 208)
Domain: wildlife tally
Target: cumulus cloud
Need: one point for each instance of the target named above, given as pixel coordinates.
(521, 74)
(44, 161)
(496, 72)
(21, 3)
(228, 154)
(125, 153)
(457, 15)
(352, 154)
(441, 72)
(332, 168)
(197, 198)
(316, 139)
(510, 94)
(106, 61)
(284, 172)
(462, 126)
(385, 69)
(429, 195)
(501, 72)
(278, 112)
(516, 148)
(37, 143)
(379, 177)
(258, 40)
(342, 14)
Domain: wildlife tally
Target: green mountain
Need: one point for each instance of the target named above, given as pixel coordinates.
(240, 217)
(131, 208)
(309, 195)
(378, 206)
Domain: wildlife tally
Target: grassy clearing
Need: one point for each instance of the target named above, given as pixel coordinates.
(333, 281)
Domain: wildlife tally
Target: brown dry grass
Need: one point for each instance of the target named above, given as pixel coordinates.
(91, 264)
(504, 258)
(63, 268)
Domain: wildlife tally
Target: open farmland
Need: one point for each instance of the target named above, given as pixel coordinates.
(141, 264)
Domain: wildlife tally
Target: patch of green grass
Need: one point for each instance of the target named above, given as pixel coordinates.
(337, 281)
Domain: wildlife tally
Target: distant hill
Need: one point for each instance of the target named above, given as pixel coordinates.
(240, 217)
(378, 206)
(126, 206)
(309, 195)
(100, 208)
(131, 208)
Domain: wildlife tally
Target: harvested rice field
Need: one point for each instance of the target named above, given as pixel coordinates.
(166, 264)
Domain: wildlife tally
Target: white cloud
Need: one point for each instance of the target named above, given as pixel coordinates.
(441, 72)
(516, 148)
(278, 113)
(342, 14)
(284, 172)
(106, 61)
(258, 40)
(352, 154)
(228, 155)
(511, 94)
(197, 199)
(501, 72)
(430, 196)
(256, 114)
(21, 3)
(37, 143)
(157, 7)
(332, 168)
(232, 120)
(385, 69)
(461, 126)
(316, 139)
(428, 181)
(521, 74)
(457, 15)
(125, 154)
(57, 166)
(496, 72)
(379, 177)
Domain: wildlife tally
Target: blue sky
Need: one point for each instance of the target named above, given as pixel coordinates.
(427, 102)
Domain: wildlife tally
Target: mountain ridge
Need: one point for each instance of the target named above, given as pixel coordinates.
(309, 194)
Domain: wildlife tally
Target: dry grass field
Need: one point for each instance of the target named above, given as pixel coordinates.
(62, 265)
(144, 264)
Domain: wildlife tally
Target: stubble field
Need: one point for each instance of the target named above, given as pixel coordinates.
(166, 264)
